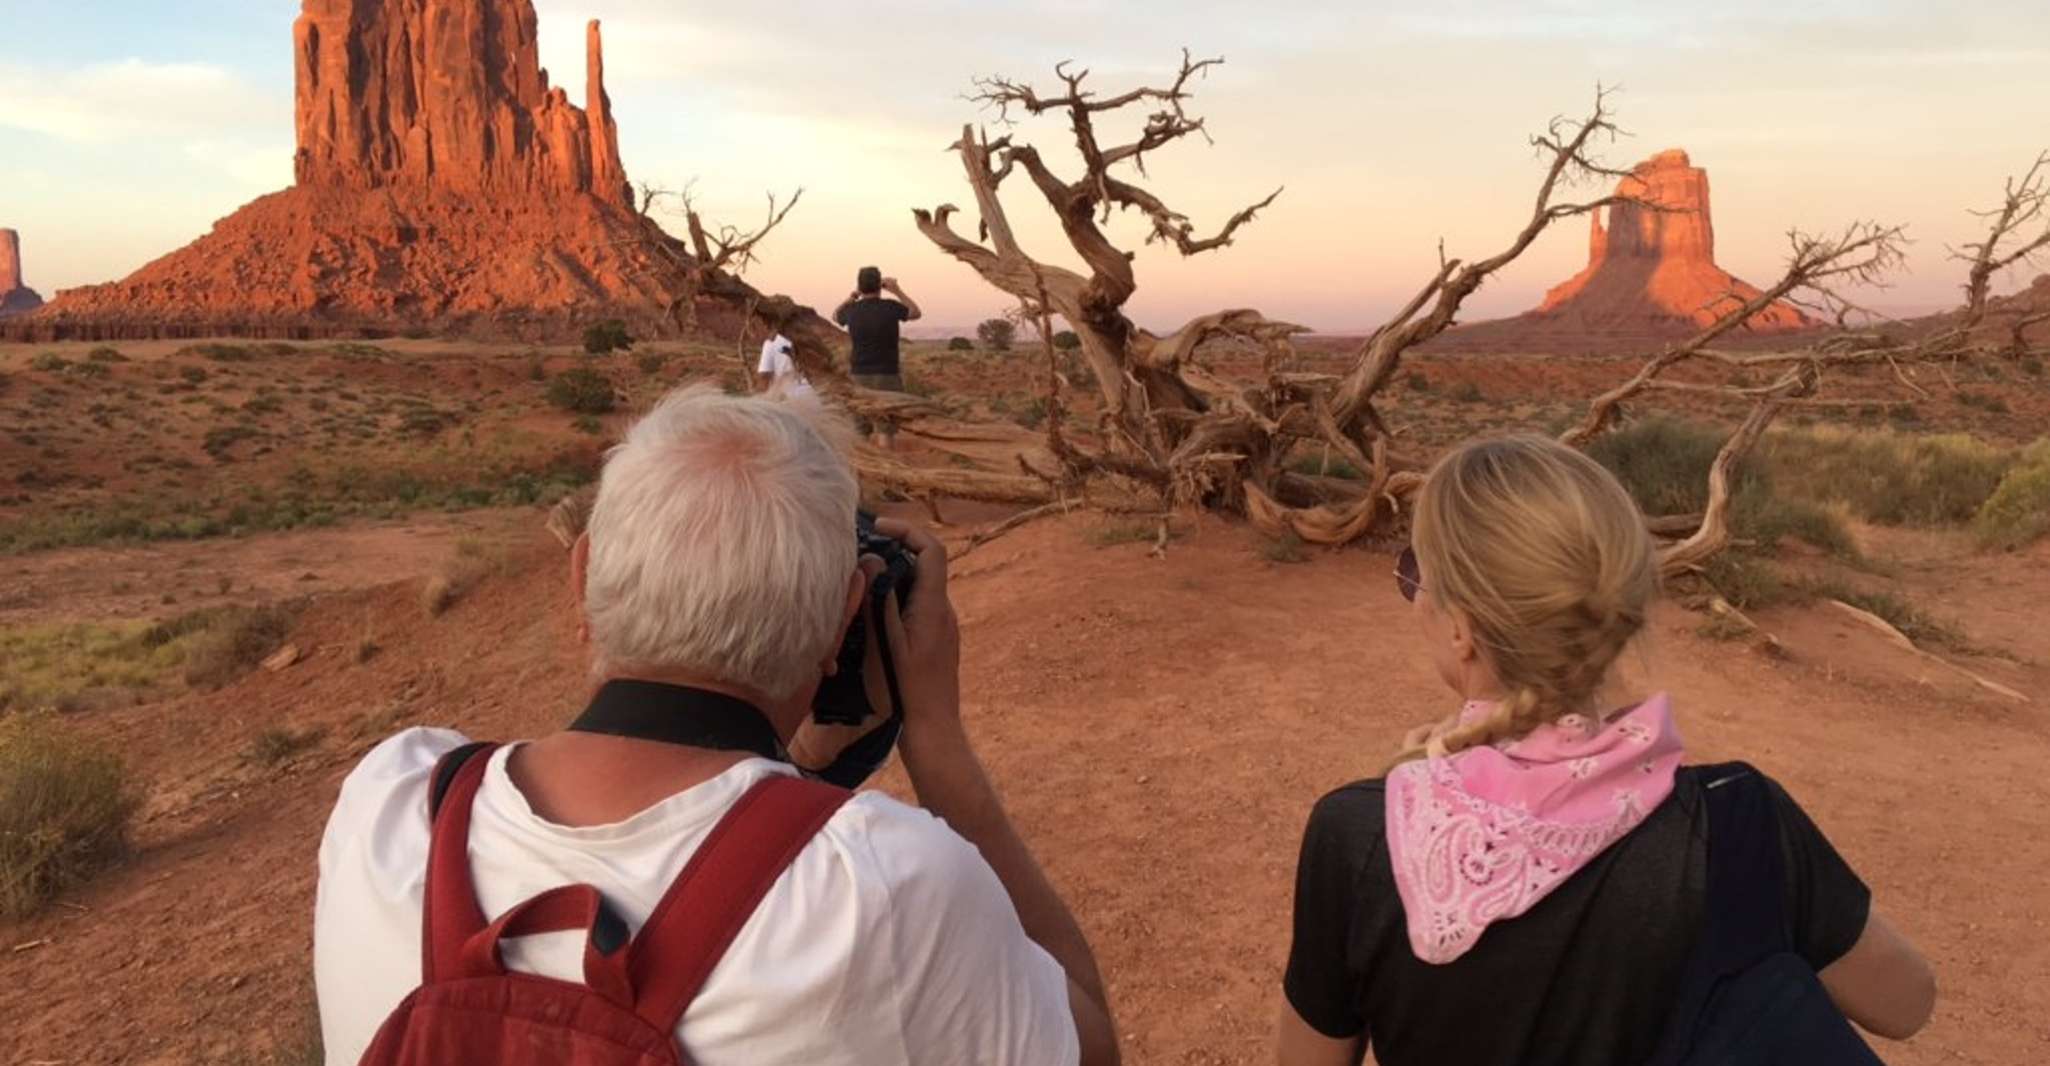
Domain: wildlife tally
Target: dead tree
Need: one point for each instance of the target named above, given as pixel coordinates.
(1168, 426)
(713, 250)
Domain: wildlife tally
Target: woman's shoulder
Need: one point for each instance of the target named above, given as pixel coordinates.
(1352, 816)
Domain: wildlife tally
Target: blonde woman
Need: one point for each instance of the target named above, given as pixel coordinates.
(1538, 879)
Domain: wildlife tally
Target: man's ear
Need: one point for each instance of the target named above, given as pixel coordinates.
(857, 593)
(579, 571)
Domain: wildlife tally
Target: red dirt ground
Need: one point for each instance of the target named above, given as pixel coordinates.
(1159, 727)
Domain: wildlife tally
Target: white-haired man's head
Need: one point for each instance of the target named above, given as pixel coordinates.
(722, 544)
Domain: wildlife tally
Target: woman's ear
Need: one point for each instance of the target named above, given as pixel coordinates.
(1461, 633)
(579, 570)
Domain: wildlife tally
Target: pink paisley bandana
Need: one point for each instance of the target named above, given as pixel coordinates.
(1484, 834)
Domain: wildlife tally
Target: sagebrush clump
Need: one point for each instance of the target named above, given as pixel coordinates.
(65, 807)
(582, 391)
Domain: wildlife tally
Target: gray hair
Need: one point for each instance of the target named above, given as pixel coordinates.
(722, 542)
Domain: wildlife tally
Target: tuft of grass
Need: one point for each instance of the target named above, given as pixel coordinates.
(1913, 622)
(588, 424)
(65, 807)
(2018, 511)
(582, 390)
(49, 362)
(1287, 548)
(1417, 382)
(1723, 628)
(1127, 531)
(473, 561)
(1984, 401)
(1745, 580)
(275, 744)
(438, 595)
(227, 642)
(1317, 464)
(651, 362)
(607, 336)
(106, 355)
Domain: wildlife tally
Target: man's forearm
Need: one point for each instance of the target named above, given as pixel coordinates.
(952, 784)
(910, 305)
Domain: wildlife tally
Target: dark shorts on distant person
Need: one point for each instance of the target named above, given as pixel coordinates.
(882, 383)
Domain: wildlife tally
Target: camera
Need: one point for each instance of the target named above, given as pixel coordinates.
(843, 698)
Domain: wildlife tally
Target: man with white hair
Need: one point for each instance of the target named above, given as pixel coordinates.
(714, 585)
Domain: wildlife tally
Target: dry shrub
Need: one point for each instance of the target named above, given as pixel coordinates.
(278, 743)
(227, 642)
(65, 805)
(2018, 512)
(472, 562)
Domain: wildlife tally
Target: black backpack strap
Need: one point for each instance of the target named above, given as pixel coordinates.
(1745, 997)
(445, 773)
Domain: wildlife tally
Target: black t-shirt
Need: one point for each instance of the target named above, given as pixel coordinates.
(1586, 977)
(872, 324)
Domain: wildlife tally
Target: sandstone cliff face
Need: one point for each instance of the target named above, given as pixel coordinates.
(1651, 276)
(442, 185)
(15, 297)
(1654, 270)
(445, 94)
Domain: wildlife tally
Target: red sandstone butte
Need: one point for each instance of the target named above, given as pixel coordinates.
(442, 184)
(1650, 274)
(15, 297)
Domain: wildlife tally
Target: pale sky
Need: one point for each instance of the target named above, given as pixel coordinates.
(128, 126)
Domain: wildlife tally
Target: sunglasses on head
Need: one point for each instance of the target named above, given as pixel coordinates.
(1408, 578)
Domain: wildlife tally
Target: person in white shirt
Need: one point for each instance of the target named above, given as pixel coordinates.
(907, 934)
(778, 368)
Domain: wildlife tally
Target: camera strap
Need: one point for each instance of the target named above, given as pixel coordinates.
(677, 714)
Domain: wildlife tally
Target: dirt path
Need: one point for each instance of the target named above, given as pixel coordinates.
(1159, 727)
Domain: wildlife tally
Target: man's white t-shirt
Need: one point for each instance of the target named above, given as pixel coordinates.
(888, 939)
(779, 360)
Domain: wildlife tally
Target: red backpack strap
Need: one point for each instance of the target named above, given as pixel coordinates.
(450, 916)
(719, 889)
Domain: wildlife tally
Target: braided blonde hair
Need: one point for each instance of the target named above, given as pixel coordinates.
(1548, 558)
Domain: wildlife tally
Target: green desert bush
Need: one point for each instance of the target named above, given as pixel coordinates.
(1067, 340)
(2018, 511)
(1886, 476)
(607, 336)
(996, 334)
(960, 344)
(49, 362)
(1664, 463)
(582, 390)
(106, 355)
(65, 806)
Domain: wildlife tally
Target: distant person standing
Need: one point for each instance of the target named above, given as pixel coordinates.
(778, 367)
(871, 321)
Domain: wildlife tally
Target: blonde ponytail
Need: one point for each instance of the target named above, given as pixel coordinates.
(1548, 559)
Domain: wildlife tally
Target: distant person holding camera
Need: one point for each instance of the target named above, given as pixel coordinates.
(872, 322)
(658, 876)
(1538, 881)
